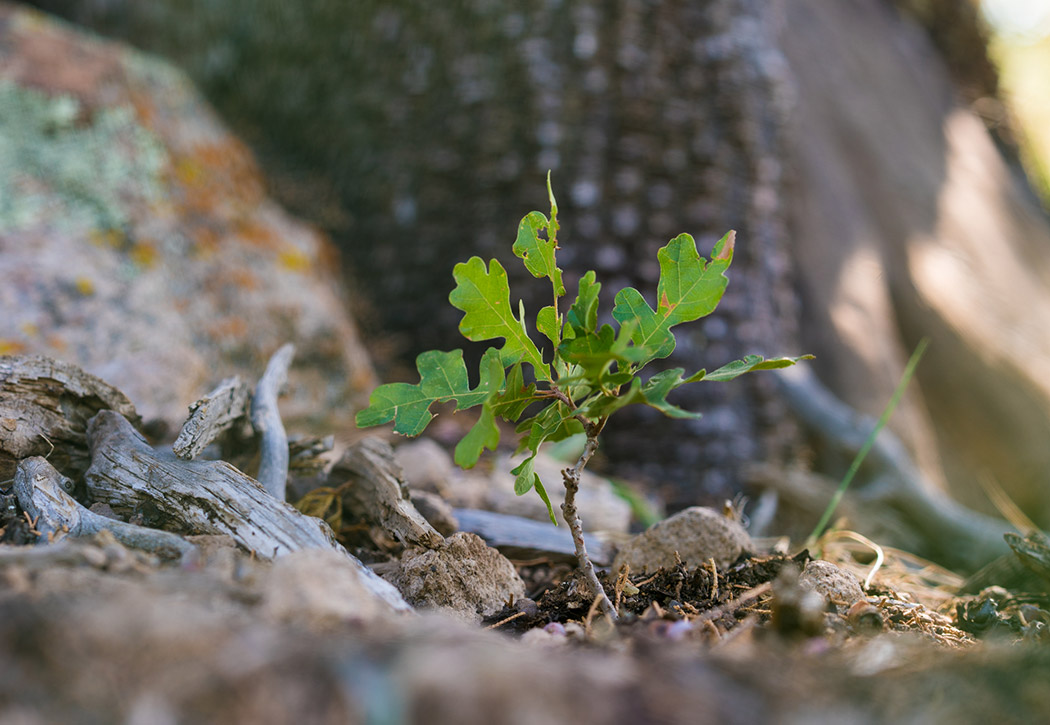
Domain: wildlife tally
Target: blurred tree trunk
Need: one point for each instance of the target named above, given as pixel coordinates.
(419, 134)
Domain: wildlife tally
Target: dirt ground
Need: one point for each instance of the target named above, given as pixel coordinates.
(93, 632)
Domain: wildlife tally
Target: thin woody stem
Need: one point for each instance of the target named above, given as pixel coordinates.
(571, 477)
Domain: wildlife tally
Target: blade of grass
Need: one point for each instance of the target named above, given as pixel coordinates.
(909, 370)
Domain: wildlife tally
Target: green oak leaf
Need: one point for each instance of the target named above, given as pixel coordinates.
(516, 396)
(583, 315)
(750, 363)
(443, 377)
(594, 352)
(554, 423)
(484, 297)
(689, 288)
(538, 254)
(547, 324)
(526, 479)
(484, 434)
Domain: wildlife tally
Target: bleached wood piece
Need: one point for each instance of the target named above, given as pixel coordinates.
(204, 497)
(44, 409)
(43, 493)
(266, 419)
(379, 493)
(211, 416)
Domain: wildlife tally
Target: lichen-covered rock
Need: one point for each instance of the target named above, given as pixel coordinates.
(838, 586)
(462, 576)
(696, 534)
(137, 241)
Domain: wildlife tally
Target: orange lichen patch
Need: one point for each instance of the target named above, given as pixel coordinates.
(145, 109)
(29, 329)
(189, 172)
(84, 285)
(57, 343)
(205, 240)
(242, 279)
(227, 328)
(144, 254)
(11, 347)
(295, 260)
(258, 235)
(218, 172)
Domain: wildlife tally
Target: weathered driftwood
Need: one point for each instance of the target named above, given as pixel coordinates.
(379, 494)
(43, 493)
(211, 416)
(522, 539)
(952, 533)
(44, 409)
(203, 497)
(266, 419)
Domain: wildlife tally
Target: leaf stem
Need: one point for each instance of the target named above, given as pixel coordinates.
(571, 477)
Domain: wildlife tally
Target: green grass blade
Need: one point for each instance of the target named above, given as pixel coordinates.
(909, 370)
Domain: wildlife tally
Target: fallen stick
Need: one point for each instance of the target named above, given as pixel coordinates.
(266, 419)
(45, 405)
(211, 416)
(42, 494)
(521, 539)
(204, 497)
(959, 536)
(377, 492)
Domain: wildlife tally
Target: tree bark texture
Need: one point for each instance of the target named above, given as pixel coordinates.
(829, 135)
(45, 406)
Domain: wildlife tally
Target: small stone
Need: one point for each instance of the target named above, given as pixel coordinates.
(462, 576)
(319, 587)
(697, 534)
(838, 586)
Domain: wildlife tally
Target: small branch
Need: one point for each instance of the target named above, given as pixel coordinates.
(211, 416)
(41, 492)
(266, 419)
(571, 477)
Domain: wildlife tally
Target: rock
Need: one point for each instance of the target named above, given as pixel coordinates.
(319, 587)
(427, 466)
(838, 586)
(138, 241)
(697, 534)
(462, 576)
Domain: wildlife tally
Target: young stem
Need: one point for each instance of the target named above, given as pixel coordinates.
(571, 477)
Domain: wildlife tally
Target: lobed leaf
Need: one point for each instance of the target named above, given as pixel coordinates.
(484, 297)
(526, 479)
(538, 254)
(689, 288)
(583, 315)
(443, 377)
(750, 363)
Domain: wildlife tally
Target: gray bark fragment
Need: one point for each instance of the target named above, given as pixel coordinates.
(44, 409)
(204, 497)
(379, 493)
(519, 538)
(266, 419)
(211, 416)
(43, 494)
